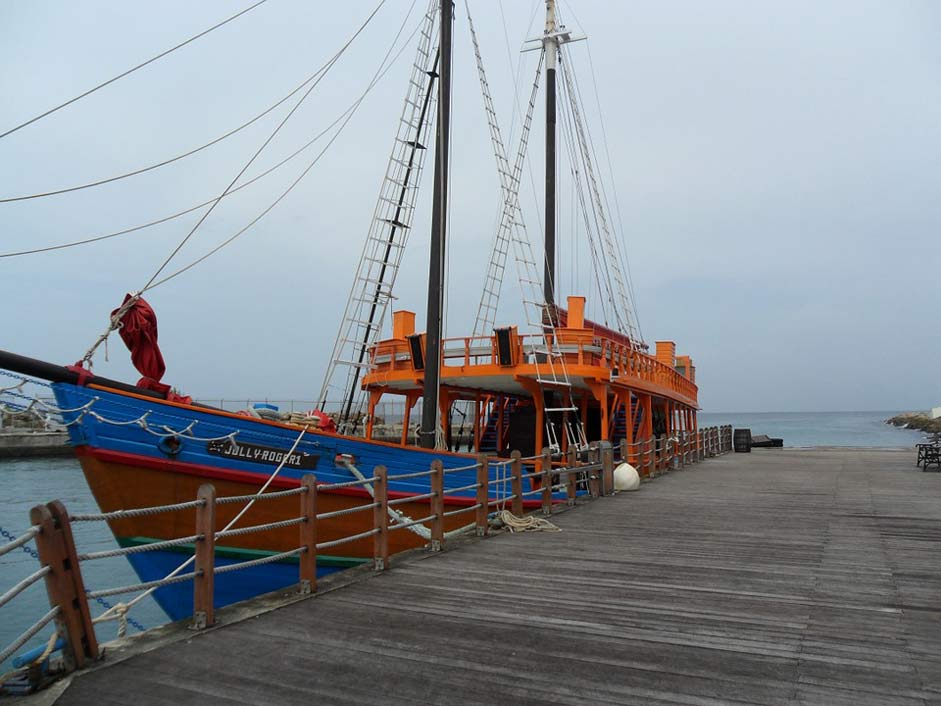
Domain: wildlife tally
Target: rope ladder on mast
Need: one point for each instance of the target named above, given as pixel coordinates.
(378, 267)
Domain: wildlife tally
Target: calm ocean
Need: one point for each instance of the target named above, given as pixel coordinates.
(28, 482)
(801, 429)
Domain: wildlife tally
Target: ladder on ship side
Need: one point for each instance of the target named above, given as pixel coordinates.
(546, 355)
(378, 267)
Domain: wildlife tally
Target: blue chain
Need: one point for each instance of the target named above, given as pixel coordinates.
(26, 548)
(101, 601)
(33, 381)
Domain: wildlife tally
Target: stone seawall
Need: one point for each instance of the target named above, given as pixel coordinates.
(23, 444)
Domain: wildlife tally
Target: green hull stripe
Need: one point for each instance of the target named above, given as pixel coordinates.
(245, 554)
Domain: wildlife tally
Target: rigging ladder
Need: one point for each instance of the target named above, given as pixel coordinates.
(378, 267)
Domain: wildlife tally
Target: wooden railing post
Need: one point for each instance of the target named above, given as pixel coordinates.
(607, 468)
(624, 453)
(594, 476)
(204, 614)
(571, 477)
(547, 481)
(308, 534)
(516, 469)
(64, 584)
(483, 495)
(437, 505)
(380, 517)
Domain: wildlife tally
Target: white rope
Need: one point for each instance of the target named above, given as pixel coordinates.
(111, 613)
(401, 518)
(530, 523)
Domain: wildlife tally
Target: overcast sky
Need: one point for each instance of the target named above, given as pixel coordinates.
(776, 167)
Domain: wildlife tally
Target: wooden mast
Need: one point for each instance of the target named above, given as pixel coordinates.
(552, 51)
(439, 220)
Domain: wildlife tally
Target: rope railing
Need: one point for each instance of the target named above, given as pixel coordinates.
(143, 585)
(347, 484)
(346, 511)
(416, 474)
(412, 523)
(137, 512)
(28, 634)
(22, 585)
(260, 561)
(140, 548)
(576, 472)
(469, 508)
(411, 498)
(24, 538)
(347, 540)
(460, 468)
(225, 500)
(238, 531)
(459, 489)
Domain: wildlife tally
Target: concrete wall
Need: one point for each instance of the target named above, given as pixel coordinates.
(20, 444)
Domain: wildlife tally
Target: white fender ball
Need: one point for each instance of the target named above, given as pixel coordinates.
(626, 477)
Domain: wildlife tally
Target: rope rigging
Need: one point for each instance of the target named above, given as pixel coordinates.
(171, 160)
(119, 313)
(293, 184)
(179, 214)
(389, 229)
(131, 70)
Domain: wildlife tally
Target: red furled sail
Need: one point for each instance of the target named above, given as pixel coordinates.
(139, 333)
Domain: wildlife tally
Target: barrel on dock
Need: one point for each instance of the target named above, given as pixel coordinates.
(741, 441)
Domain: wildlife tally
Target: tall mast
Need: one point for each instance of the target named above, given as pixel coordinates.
(551, 45)
(439, 221)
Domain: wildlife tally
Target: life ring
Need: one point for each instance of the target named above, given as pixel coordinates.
(170, 445)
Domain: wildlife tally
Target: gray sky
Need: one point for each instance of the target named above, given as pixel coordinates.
(777, 169)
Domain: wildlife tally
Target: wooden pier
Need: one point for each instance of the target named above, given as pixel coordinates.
(776, 577)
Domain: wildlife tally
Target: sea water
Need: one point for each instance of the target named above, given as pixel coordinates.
(29, 482)
(805, 429)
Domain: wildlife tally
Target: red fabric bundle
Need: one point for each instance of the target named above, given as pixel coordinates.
(139, 333)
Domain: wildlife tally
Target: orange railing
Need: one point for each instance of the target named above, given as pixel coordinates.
(469, 351)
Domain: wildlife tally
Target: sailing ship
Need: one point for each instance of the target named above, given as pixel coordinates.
(565, 380)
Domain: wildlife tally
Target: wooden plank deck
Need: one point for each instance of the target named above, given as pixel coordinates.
(777, 577)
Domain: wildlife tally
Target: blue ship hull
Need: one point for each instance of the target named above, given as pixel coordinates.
(138, 451)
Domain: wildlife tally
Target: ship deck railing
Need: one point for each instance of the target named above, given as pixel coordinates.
(623, 363)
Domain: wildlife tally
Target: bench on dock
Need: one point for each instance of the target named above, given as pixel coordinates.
(929, 455)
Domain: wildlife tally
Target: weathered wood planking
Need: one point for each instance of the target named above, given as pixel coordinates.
(776, 577)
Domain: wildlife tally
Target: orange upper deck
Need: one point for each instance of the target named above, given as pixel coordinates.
(583, 357)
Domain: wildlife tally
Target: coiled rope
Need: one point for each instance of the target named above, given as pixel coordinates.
(530, 523)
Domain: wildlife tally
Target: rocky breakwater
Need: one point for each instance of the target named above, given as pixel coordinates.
(916, 420)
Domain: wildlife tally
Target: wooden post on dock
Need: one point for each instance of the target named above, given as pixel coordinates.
(594, 475)
(64, 584)
(204, 584)
(571, 477)
(380, 546)
(607, 468)
(516, 469)
(547, 481)
(308, 532)
(624, 457)
(483, 495)
(437, 505)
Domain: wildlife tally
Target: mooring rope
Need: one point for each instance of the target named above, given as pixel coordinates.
(530, 523)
